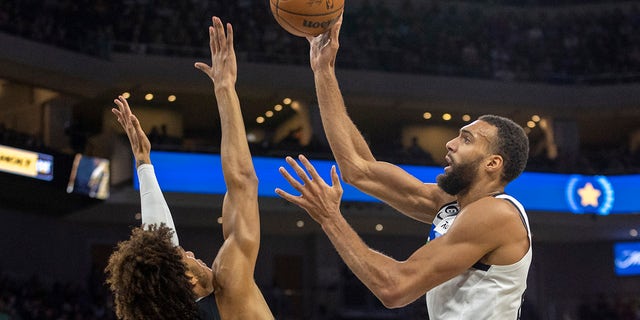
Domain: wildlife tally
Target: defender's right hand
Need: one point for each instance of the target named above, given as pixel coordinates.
(140, 144)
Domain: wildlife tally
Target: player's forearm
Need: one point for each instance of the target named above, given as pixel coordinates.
(142, 159)
(347, 143)
(237, 165)
(374, 269)
(154, 208)
(239, 218)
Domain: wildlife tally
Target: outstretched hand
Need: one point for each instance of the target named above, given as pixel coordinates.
(324, 47)
(320, 200)
(223, 70)
(140, 144)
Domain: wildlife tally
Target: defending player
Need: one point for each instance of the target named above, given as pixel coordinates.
(150, 275)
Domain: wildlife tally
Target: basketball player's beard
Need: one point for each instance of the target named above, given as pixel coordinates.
(459, 177)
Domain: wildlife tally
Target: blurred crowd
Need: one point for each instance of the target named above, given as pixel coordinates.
(33, 299)
(524, 3)
(601, 307)
(498, 39)
(492, 40)
(11, 137)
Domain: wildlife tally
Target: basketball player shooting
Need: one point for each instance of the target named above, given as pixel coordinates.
(476, 262)
(227, 290)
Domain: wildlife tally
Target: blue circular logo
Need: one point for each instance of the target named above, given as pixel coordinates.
(590, 194)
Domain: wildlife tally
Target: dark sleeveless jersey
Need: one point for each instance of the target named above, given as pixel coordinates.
(208, 308)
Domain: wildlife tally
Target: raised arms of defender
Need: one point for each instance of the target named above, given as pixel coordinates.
(153, 205)
(358, 167)
(237, 294)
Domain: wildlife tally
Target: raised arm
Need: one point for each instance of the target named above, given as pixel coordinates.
(154, 207)
(358, 167)
(240, 218)
(398, 283)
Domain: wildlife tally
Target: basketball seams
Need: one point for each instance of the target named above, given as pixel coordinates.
(306, 14)
(281, 20)
(292, 21)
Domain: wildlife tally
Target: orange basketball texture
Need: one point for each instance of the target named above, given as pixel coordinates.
(306, 17)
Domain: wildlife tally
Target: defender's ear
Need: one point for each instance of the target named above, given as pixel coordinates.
(192, 278)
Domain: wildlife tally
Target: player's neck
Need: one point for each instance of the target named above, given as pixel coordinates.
(477, 191)
(201, 292)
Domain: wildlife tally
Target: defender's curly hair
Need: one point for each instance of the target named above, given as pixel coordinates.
(148, 277)
(512, 145)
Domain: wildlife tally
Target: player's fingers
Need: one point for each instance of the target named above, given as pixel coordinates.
(202, 66)
(118, 103)
(130, 127)
(122, 111)
(125, 109)
(135, 122)
(292, 181)
(298, 169)
(335, 179)
(310, 168)
(218, 32)
(289, 197)
(222, 37)
(212, 44)
(124, 101)
(229, 36)
(118, 117)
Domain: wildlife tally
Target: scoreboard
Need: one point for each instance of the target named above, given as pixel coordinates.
(26, 163)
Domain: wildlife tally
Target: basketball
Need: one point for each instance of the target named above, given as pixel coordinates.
(306, 17)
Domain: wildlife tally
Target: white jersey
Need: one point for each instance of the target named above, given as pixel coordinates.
(483, 291)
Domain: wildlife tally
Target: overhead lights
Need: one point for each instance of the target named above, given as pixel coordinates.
(447, 116)
(294, 105)
(150, 96)
(633, 232)
(531, 124)
(535, 118)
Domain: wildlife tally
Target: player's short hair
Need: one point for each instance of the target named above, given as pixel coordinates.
(512, 144)
(148, 279)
